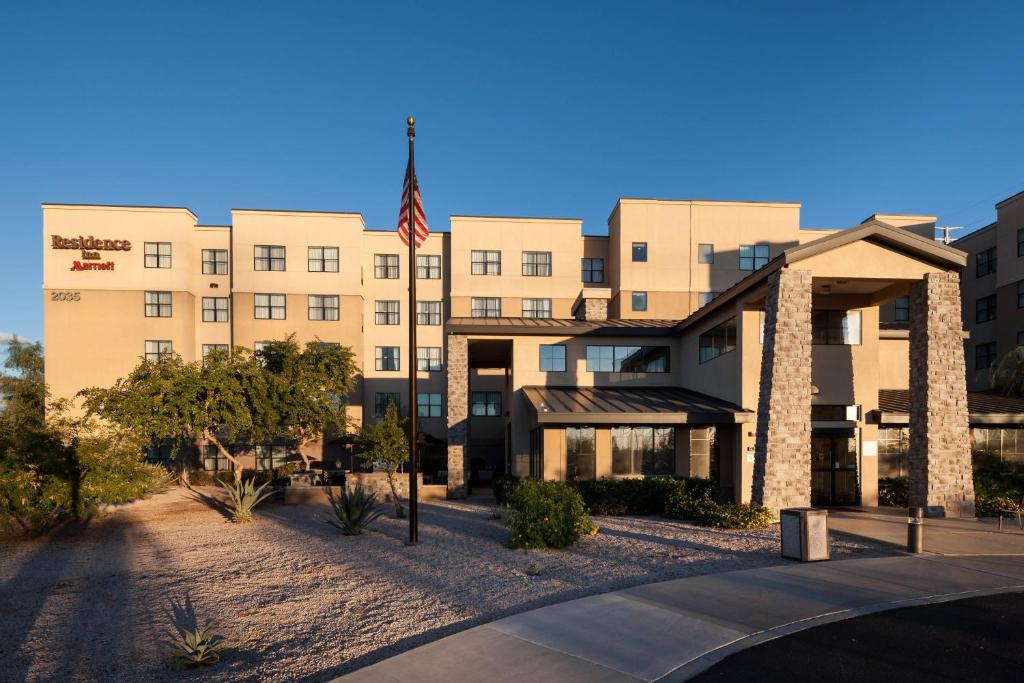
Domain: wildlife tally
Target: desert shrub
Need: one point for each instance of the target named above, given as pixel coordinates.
(894, 491)
(707, 512)
(502, 486)
(995, 490)
(649, 496)
(547, 514)
(352, 512)
(244, 496)
(194, 645)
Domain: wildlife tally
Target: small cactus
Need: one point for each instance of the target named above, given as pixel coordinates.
(199, 646)
(244, 497)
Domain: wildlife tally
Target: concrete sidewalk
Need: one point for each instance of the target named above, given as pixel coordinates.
(948, 536)
(672, 630)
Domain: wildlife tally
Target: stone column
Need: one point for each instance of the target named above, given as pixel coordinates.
(939, 458)
(457, 378)
(782, 447)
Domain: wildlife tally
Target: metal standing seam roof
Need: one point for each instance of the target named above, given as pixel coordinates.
(557, 326)
(605, 405)
(982, 407)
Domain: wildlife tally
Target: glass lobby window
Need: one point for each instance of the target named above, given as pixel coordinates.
(643, 450)
(270, 457)
(428, 267)
(893, 444)
(650, 359)
(210, 348)
(902, 309)
(158, 254)
(536, 308)
(215, 261)
(386, 312)
(552, 357)
(269, 306)
(323, 259)
(593, 270)
(269, 257)
(382, 399)
(639, 301)
(385, 266)
(753, 256)
(984, 356)
(215, 309)
(580, 453)
(428, 358)
(323, 307)
(157, 349)
(428, 312)
(485, 403)
(835, 327)
(428, 405)
(485, 307)
(386, 359)
(537, 263)
(485, 262)
(985, 262)
(705, 253)
(158, 304)
(718, 341)
(985, 309)
(639, 252)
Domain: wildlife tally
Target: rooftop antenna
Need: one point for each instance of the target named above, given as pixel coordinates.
(946, 239)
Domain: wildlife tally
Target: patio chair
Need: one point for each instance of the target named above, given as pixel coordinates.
(1006, 512)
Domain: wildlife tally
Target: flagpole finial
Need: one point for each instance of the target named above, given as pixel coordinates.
(411, 121)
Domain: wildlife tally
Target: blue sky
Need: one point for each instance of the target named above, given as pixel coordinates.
(535, 109)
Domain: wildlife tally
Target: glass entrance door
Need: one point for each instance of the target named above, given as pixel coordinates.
(833, 469)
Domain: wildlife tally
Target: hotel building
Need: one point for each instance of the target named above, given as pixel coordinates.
(706, 338)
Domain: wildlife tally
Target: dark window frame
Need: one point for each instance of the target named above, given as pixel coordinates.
(489, 402)
(386, 267)
(480, 307)
(269, 260)
(162, 305)
(717, 341)
(322, 263)
(383, 362)
(428, 266)
(543, 310)
(536, 264)
(555, 358)
(706, 254)
(485, 262)
(220, 306)
(271, 307)
(321, 307)
(638, 252)
(587, 270)
(387, 312)
(212, 261)
(158, 255)
(754, 256)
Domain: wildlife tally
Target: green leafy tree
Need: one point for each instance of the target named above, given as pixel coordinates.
(386, 446)
(1007, 375)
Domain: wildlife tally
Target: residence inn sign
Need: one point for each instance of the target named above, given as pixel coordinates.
(90, 247)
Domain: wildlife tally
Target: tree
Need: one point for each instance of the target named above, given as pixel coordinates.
(386, 446)
(1007, 375)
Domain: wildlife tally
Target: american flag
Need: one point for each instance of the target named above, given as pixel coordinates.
(420, 217)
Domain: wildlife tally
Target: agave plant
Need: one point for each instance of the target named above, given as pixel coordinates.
(245, 495)
(352, 512)
(199, 646)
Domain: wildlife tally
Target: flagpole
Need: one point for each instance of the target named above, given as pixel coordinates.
(411, 362)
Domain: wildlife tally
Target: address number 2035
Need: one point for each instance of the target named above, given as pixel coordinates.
(65, 296)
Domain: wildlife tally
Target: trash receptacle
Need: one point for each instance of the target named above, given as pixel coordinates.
(804, 534)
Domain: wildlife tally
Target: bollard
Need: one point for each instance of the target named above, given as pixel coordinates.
(915, 530)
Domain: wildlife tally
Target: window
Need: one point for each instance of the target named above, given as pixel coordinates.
(269, 306)
(985, 308)
(985, 262)
(902, 309)
(537, 263)
(536, 308)
(705, 253)
(428, 358)
(593, 270)
(387, 359)
(323, 259)
(428, 405)
(260, 345)
(1020, 339)
(993, 448)
(835, 327)
(210, 348)
(381, 399)
(385, 266)
(214, 460)
(157, 349)
(323, 307)
(893, 446)
(1020, 293)
(215, 309)
(639, 252)
(580, 453)
(160, 453)
(552, 357)
(485, 307)
(1020, 242)
(718, 341)
(650, 359)
(639, 301)
(753, 256)
(643, 450)
(158, 254)
(984, 356)
(485, 403)
(428, 312)
(704, 298)
(268, 257)
(158, 304)
(428, 267)
(270, 457)
(215, 261)
(387, 312)
(485, 262)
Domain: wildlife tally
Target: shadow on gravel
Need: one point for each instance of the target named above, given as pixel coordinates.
(211, 502)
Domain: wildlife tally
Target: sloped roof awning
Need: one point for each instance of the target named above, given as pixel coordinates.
(982, 408)
(647, 405)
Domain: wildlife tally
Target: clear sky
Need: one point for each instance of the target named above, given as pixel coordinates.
(534, 109)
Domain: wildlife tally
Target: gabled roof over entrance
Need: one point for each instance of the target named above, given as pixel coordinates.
(642, 405)
(982, 407)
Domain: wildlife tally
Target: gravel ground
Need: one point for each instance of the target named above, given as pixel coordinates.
(300, 602)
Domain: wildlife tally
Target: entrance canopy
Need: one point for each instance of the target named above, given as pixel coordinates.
(641, 405)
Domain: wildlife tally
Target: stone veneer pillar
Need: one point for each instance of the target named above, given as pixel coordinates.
(457, 378)
(939, 457)
(782, 446)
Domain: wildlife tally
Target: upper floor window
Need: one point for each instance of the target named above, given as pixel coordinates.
(485, 307)
(260, 346)
(705, 253)
(268, 257)
(428, 266)
(157, 349)
(537, 263)
(753, 256)
(428, 358)
(485, 262)
(536, 308)
(215, 309)
(387, 358)
(901, 309)
(985, 262)
(984, 356)
(385, 266)
(985, 309)
(387, 312)
(1020, 242)
(323, 307)
(428, 404)
(835, 327)
(215, 261)
(158, 304)
(269, 306)
(485, 403)
(210, 348)
(428, 312)
(593, 270)
(382, 399)
(639, 252)
(1020, 293)
(651, 359)
(552, 357)
(639, 301)
(323, 259)
(718, 341)
(158, 254)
